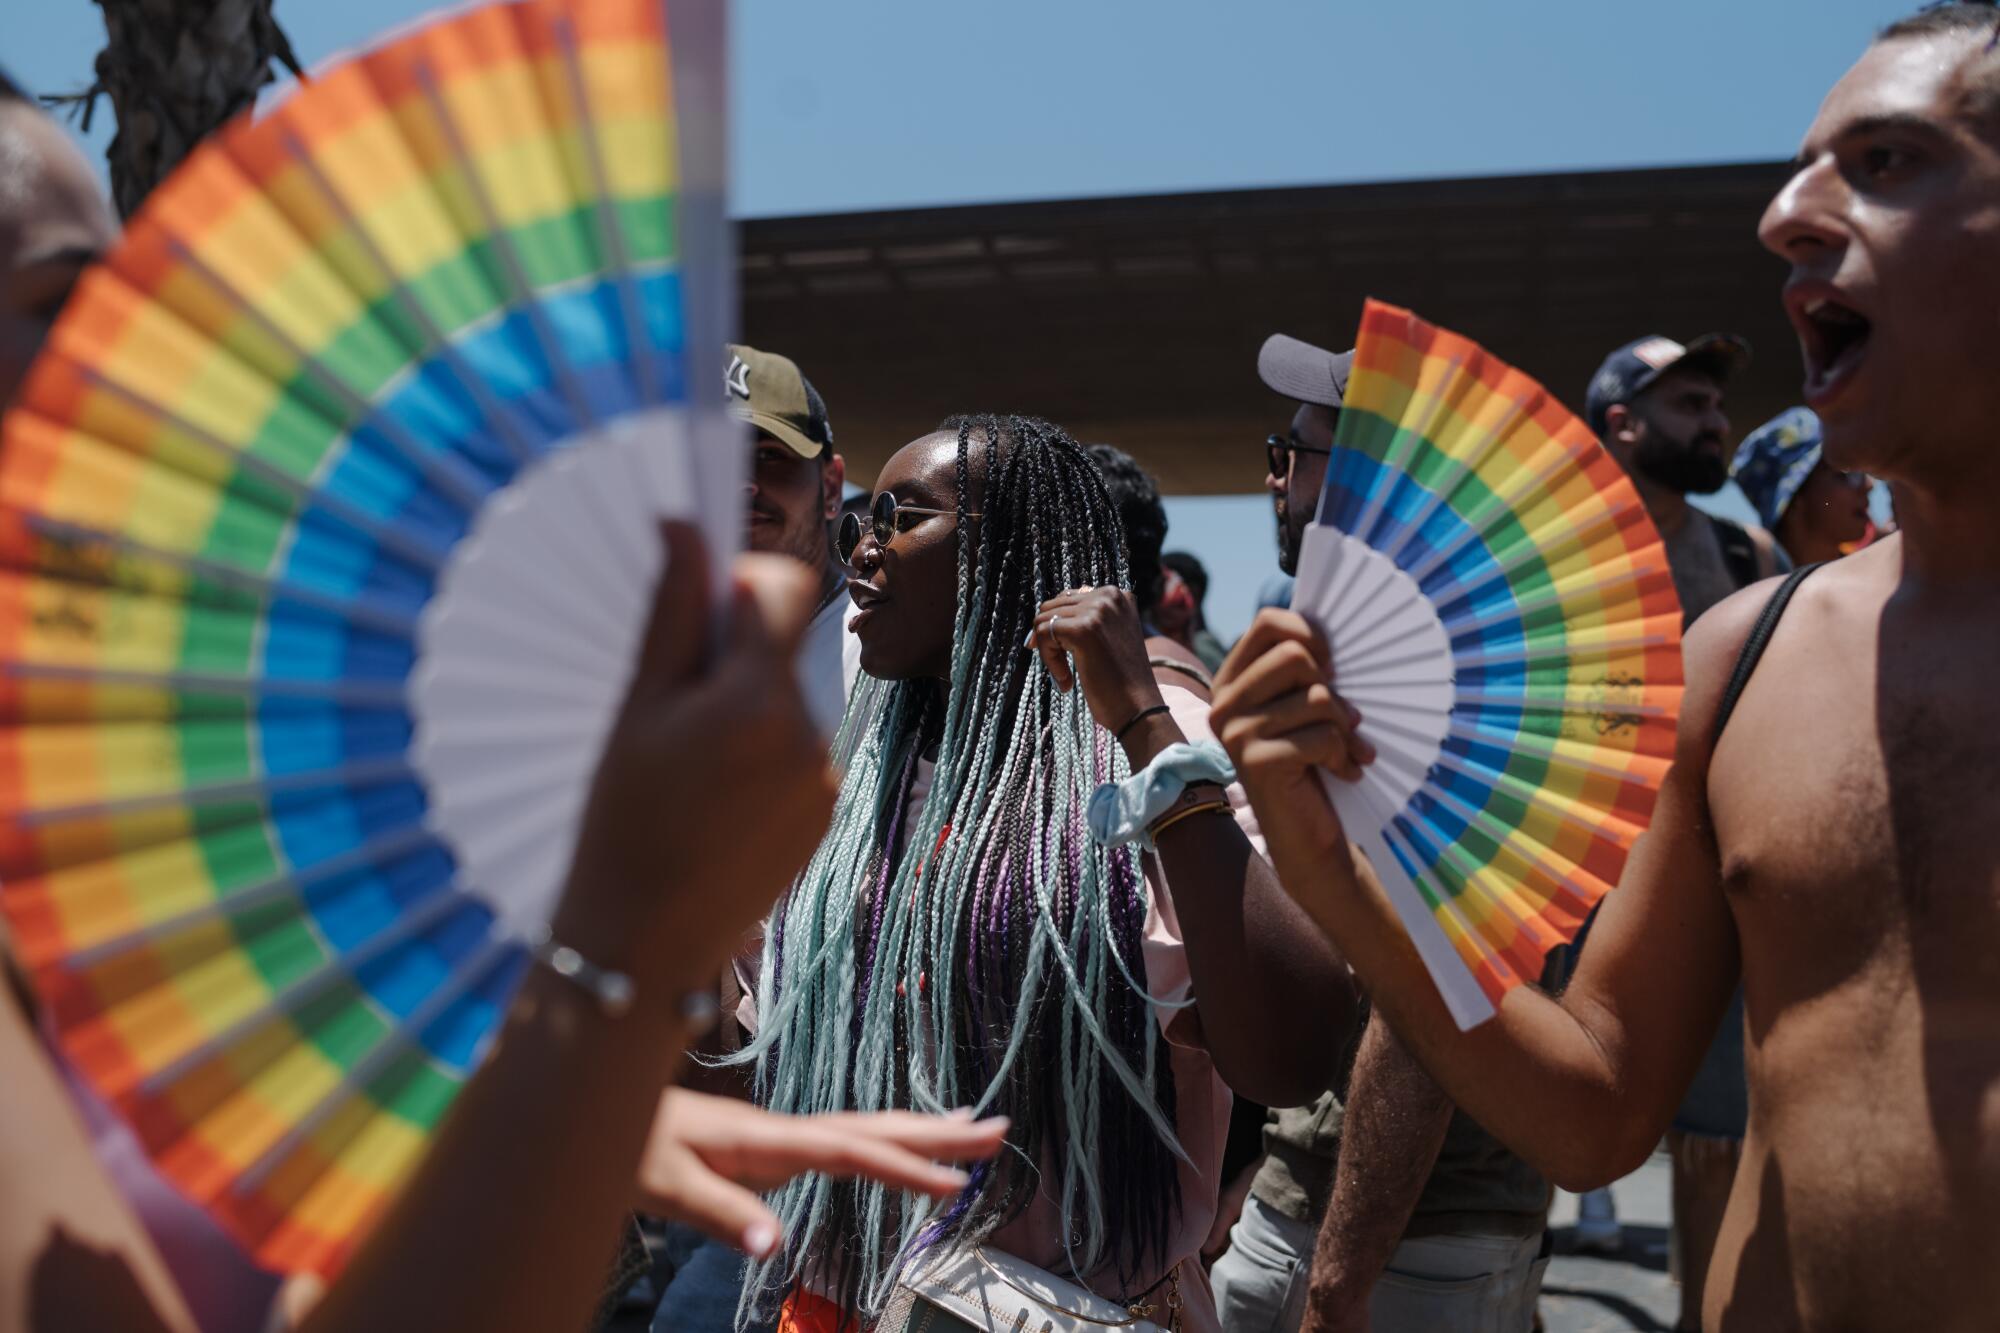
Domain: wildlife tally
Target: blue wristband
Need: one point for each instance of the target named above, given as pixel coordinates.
(1120, 812)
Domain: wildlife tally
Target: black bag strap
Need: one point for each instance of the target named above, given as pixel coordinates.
(1739, 551)
(1754, 646)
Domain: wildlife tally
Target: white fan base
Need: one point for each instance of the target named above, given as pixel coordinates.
(1392, 660)
(527, 647)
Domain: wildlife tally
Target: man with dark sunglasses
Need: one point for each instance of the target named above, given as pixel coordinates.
(1296, 459)
(1407, 1215)
(794, 493)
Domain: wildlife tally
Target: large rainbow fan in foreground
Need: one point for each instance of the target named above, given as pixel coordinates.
(1499, 609)
(327, 534)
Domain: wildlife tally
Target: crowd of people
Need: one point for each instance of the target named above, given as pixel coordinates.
(999, 886)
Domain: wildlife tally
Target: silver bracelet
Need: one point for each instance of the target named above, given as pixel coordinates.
(612, 989)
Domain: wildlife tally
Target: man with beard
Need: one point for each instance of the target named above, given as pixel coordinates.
(794, 494)
(1825, 836)
(1658, 407)
(1408, 1215)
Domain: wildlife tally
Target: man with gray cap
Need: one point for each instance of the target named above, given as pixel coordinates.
(1422, 1221)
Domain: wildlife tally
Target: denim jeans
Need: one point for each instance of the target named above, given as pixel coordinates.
(701, 1295)
(1432, 1284)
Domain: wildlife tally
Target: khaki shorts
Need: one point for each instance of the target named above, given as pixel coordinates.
(1437, 1284)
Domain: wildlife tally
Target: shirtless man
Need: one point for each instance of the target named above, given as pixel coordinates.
(1835, 847)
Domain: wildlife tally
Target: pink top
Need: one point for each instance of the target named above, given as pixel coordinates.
(1202, 1100)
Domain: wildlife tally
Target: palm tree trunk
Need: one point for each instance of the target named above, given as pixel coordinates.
(176, 70)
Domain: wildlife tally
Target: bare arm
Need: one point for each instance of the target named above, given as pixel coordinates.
(529, 1179)
(1394, 1124)
(72, 1255)
(1251, 951)
(533, 1169)
(1582, 1087)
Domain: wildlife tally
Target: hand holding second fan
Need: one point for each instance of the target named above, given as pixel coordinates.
(1487, 581)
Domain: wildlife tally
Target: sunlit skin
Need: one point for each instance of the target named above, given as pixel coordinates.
(54, 220)
(1894, 213)
(791, 501)
(906, 594)
(1834, 850)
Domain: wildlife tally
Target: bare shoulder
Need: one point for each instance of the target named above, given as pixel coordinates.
(1709, 653)
(1716, 641)
(1177, 666)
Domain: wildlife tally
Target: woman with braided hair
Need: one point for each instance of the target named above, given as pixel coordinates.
(962, 939)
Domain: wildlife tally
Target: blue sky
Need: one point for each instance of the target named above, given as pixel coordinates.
(888, 103)
(854, 104)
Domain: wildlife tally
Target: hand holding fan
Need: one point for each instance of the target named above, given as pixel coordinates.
(1499, 609)
(328, 529)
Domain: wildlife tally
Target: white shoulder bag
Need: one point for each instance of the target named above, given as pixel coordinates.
(993, 1292)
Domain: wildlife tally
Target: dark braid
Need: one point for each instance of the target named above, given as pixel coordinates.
(1141, 516)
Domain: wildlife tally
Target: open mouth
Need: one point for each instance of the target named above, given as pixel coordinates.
(1834, 337)
(866, 599)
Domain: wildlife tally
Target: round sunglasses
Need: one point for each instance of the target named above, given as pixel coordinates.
(886, 518)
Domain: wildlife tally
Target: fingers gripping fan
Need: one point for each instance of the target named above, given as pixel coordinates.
(1501, 613)
(328, 530)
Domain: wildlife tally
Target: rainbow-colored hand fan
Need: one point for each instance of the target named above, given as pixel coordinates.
(1499, 609)
(327, 534)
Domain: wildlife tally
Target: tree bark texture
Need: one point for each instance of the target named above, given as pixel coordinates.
(176, 70)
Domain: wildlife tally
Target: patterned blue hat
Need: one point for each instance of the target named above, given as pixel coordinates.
(1774, 460)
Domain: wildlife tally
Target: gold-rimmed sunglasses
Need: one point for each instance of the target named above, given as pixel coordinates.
(886, 518)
